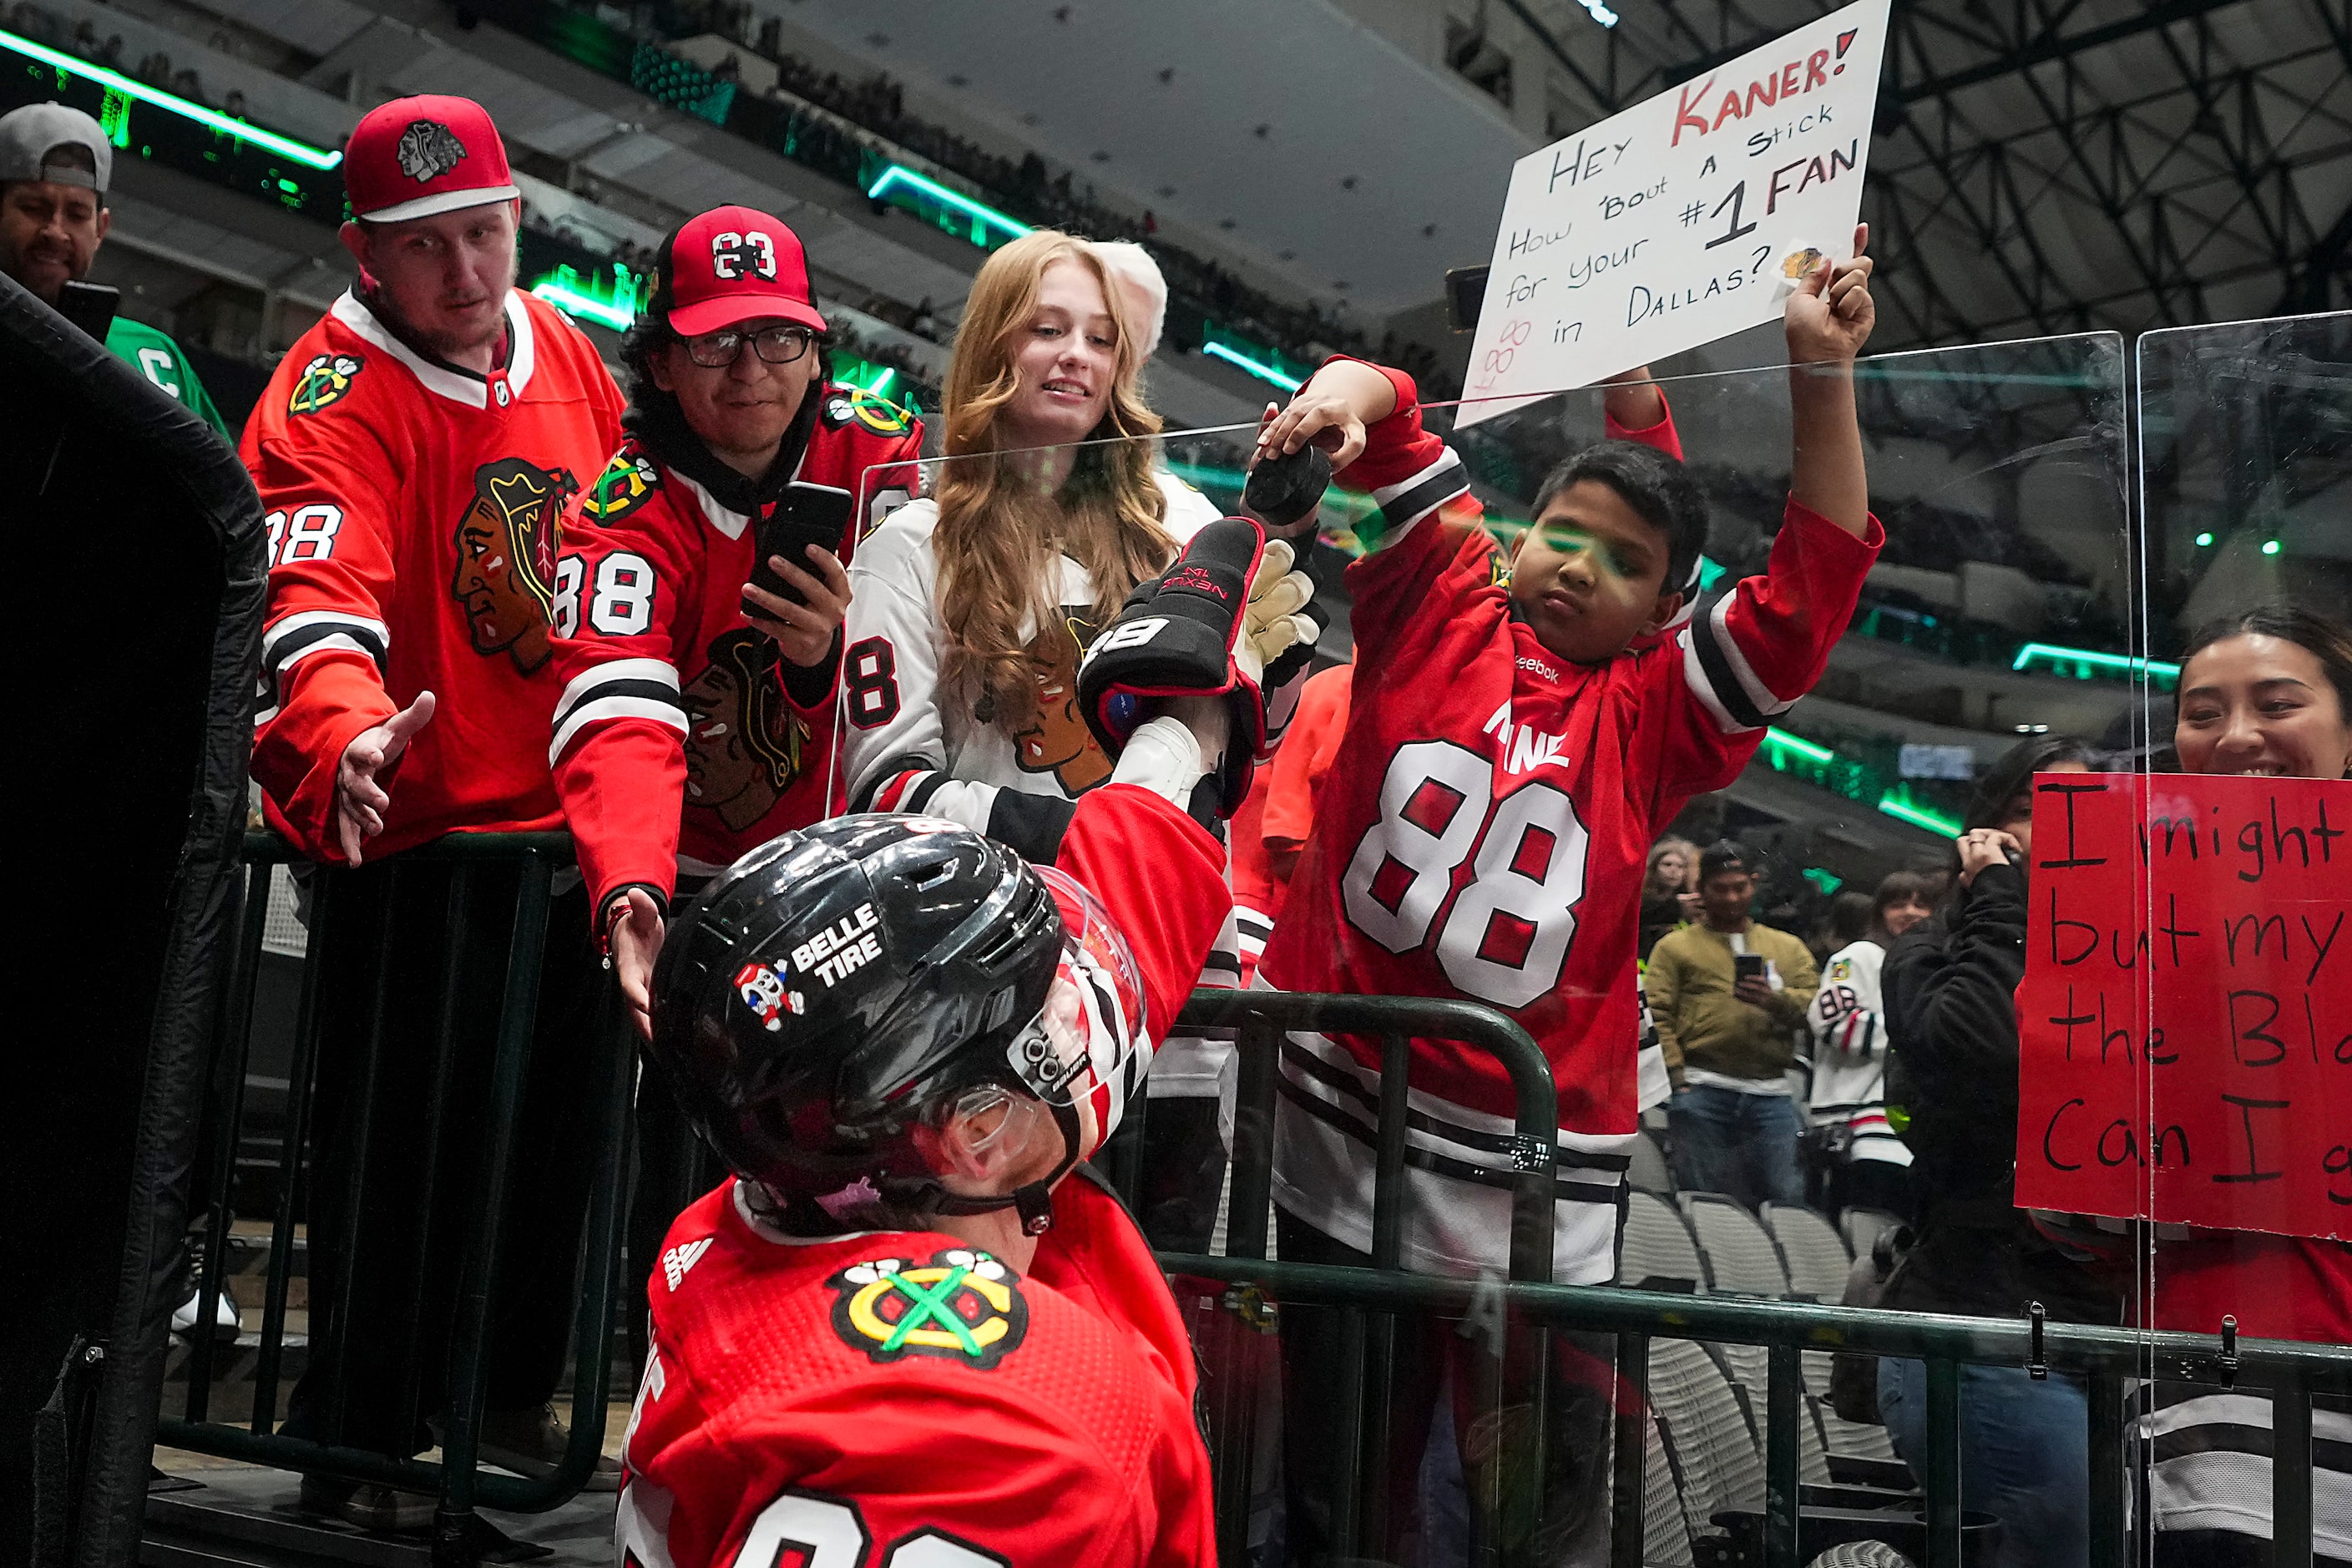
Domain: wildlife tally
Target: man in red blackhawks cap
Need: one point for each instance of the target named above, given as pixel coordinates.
(696, 644)
(415, 453)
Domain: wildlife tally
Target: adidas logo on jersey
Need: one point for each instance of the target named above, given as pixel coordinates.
(678, 1259)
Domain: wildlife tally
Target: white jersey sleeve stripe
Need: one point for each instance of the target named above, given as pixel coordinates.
(655, 669)
(1410, 499)
(602, 710)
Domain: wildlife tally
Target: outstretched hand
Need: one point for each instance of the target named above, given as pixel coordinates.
(1829, 316)
(637, 932)
(360, 801)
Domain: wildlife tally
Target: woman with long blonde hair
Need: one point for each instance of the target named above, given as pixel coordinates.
(970, 608)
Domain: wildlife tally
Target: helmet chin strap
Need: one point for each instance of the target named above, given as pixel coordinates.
(1033, 1200)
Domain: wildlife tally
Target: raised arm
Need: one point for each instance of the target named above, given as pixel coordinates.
(1829, 318)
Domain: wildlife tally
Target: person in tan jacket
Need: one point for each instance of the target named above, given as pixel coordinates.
(1728, 995)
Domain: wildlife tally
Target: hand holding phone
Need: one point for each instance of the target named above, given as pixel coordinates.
(809, 516)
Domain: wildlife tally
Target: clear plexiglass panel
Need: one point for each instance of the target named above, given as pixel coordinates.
(2244, 1148)
(1855, 721)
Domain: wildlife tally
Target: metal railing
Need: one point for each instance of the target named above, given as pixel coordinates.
(457, 1479)
(1374, 1301)
(2104, 1358)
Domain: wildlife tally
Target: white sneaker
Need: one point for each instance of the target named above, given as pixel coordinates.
(227, 1321)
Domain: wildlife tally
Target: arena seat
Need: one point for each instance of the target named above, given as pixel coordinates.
(1813, 1255)
(1862, 1228)
(1658, 1245)
(1649, 1172)
(1710, 1439)
(1739, 1257)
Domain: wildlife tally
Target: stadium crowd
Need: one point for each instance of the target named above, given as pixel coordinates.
(816, 713)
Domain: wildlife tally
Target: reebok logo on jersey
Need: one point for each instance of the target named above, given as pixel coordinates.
(961, 1306)
(678, 1259)
(1529, 662)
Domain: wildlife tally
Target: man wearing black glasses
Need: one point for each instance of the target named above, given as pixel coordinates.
(698, 597)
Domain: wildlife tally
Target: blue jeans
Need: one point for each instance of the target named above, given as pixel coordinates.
(2024, 1454)
(1742, 1144)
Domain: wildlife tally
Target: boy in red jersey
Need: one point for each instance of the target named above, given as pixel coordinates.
(414, 452)
(1520, 732)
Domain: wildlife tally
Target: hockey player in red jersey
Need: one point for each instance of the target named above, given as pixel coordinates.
(414, 453)
(1520, 732)
(694, 720)
(901, 1338)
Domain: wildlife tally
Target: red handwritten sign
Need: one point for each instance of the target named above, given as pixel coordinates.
(2185, 1027)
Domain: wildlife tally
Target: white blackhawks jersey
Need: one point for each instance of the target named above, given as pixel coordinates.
(1845, 1044)
(908, 744)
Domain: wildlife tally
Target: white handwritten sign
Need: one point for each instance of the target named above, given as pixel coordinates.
(1681, 220)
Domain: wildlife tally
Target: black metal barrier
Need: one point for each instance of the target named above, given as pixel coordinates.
(457, 1479)
(1375, 1300)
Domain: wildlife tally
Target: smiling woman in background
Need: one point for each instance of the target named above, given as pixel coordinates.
(2266, 694)
(972, 607)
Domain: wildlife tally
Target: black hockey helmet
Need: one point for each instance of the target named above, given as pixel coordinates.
(831, 986)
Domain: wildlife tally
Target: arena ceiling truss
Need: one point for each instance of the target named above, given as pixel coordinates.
(2045, 166)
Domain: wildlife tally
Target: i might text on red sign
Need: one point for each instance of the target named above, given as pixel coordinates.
(2185, 1026)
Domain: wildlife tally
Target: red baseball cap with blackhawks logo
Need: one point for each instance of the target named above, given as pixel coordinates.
(730, 265)
(414, 157)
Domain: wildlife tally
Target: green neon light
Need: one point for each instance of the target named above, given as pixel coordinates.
(979, 212)
(1920, 816)
(2203, 539)
(613, 304)
(115, 82)
(2270, 547)
(1798, 744)
(1263, 372)
(2085, 659)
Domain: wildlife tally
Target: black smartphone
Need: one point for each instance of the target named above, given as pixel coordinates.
(89, 306)
(809, 515)
(1748, 966)
(1465, 291)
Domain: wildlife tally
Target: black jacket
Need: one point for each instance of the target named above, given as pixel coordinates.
(1951, 1010)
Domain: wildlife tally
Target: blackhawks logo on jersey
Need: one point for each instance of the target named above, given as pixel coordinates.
(506, 542)
(627, 482)
(961, 1306)
(323, 382)
(880, 414)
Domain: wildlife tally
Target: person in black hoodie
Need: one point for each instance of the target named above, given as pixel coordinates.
(1951, 1005)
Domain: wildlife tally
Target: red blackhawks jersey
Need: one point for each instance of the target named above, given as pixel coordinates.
(902, 1400)
(412, 510)
(681, 740)
(1483, 835)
